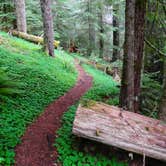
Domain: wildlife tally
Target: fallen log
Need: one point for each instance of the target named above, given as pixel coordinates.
(112, 71)
(32, 38)
(126, 130)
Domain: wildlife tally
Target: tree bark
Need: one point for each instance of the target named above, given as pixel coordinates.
(126, 130)
(140, 11)
(48, 26)
(162, 111)
(101, 30)
(116, 52)
(91, 44)
(21, 15)
(127, 85)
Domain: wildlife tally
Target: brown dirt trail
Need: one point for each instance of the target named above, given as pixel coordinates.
(36, 148)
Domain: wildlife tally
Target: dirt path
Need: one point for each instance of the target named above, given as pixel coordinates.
(37, 148)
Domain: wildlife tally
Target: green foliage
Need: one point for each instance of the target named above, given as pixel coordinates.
(103, 86)
(34, 17)
(150, 96)
(7, 86)
(7, 16)
(69, 155)
(43, 80)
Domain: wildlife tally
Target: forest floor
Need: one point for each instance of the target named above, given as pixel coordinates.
(37, 143)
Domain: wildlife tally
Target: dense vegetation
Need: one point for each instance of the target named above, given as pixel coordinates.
(29, 67)
(126, 39)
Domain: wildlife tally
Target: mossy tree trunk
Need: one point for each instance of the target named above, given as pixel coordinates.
(48, 26)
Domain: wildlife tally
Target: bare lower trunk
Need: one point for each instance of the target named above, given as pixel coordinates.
(140, 11)
(116, 52)
(48, 26)
(21, 15)
(162, 111)
(127, 87)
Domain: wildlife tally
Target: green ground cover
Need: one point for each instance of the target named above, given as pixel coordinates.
(41, 80)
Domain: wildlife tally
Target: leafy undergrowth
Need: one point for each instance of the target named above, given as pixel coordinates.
(69, 154)
(150, 96)
(104, 87)
(43, 79)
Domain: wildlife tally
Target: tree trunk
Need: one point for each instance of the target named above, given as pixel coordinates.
(140, 11)
(101, 30)
(127, 87)
(162, 111)
(48, 26)
(116, 52)
(21, 15)
(91, 44)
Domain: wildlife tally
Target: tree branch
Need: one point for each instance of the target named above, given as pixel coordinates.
(154, 48)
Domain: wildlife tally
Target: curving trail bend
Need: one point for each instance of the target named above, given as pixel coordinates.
(36, 148)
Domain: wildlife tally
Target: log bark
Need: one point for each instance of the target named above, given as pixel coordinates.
(126, 130)
(32, 38)
(21, 15)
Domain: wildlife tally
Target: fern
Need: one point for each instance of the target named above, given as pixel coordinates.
(7, 85)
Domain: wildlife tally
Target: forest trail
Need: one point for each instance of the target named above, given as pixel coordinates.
(36, 148)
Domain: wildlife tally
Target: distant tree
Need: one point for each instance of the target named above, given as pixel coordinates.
(48, 26)
(116, 42)
(21, 15)
(91, 30)
(127, 85)
(101, 30)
